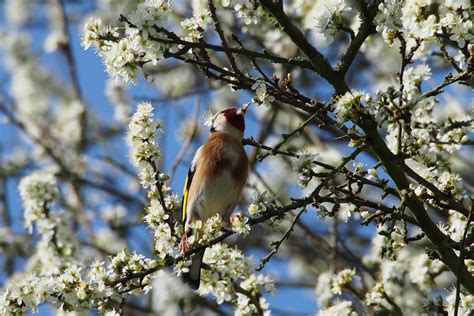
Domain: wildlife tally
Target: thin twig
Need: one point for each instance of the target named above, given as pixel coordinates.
(69, 54)
(285, 137)
(217, 26)
(448, 80)
(188, 141)
(278, 243)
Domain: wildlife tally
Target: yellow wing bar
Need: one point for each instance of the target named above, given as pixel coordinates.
(185, 199)
(187, 185)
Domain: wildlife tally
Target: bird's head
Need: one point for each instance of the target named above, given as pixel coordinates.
(230, 121)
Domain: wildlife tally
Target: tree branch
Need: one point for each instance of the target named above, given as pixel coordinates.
(319, 62)
(367, 28)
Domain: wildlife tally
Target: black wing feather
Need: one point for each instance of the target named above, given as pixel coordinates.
(187, 185)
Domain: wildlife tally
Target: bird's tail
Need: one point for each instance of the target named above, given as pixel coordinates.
(193, 277)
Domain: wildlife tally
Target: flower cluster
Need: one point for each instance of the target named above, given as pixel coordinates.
(261, 203)
(253, 284)
(245, 10)
(323, 288)
(142, 134)
(123, 56)
(345, 211)
(240, 224)
(304, 166)
(229, 269)
(348, 106)
(376, 295)
(170, 294)
(459, 26)
(57, 247)
(195, 26)
(125, 263)
(92, 32)
(156, 215)
(261, 95)
(342, 279)
(149, 15)
(412, 20)
(24, 294)
(412, 272)
(426, 141)
(425, 266)
(38, 191)
(466, 304)
(165, 244)
(339, 308)
(211, 228)
(329, 286)
(330, 20)
(71, 289)
(456, 225)
(33, 86)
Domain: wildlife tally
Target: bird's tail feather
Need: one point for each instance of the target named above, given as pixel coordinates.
(193, 277)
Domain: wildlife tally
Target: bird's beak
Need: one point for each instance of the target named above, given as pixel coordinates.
(243, 109)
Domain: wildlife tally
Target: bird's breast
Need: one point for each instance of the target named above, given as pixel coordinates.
(225, 154)
(223, 167)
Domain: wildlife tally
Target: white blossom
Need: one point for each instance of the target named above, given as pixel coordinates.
(466, 304)
(345, 211)
(261, 203)
(245, 11)
(195, 26)
(329, 21)
(92, 31)
(342, 279)
(38, 191)
(346, 105)
(168, 293)
(209, 118)
(210, 229)
(342, 308)
(303, 165)
(240, 224)
(422, 268)
(262, 97)
(376, 295)
(229, 266)
(323, 288)
(142, 134)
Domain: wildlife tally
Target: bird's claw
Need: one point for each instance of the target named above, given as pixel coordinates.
(184, 245)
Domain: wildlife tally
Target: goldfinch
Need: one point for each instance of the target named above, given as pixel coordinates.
(215, 180)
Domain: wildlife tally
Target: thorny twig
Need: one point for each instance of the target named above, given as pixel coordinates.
(278, 243)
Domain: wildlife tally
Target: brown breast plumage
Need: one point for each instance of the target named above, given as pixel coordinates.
(224, 152)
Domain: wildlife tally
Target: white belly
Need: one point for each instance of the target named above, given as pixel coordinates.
(218, 195)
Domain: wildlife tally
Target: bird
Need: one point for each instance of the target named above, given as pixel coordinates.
(215, 180)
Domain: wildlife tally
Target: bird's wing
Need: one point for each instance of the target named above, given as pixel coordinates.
(187, 184)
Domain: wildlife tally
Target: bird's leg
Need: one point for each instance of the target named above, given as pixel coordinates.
(232, 218)
(184, 245)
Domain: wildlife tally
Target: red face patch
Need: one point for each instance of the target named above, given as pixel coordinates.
(237, 120)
